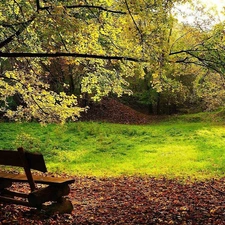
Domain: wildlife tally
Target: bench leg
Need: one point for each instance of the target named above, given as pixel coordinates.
(50, 193)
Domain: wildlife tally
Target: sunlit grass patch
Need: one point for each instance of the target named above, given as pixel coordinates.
(172, 148)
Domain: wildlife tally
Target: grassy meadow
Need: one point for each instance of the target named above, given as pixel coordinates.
(181, 147)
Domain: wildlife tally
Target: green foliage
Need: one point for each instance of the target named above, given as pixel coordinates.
(39, 27)
(189, 73)
(109, 42)
(28, 142)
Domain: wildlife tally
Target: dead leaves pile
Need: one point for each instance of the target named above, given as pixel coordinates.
(113, 111)
(132, 200)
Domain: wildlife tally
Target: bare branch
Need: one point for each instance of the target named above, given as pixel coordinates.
(65, 54)
(200, 61)
(95, 7)
(80, 6)
(187, 51)
(139, 31)
(38, 5)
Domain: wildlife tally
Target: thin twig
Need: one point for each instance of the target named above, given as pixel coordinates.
(139, 31)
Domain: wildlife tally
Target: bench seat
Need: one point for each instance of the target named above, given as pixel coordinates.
(36, 178)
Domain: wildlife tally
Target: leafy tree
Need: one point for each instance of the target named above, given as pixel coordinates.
(88, 33)
(191, 53)
(55, 51)
(203, 57)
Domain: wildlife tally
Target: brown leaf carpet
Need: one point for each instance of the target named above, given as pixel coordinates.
(131, 200)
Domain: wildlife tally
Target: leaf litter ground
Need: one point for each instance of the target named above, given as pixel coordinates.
(131, 200)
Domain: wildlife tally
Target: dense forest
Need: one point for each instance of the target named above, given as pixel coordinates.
(57, 57)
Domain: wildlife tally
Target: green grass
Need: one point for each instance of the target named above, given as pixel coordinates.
(183, 147)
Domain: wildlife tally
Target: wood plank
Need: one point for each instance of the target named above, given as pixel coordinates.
(49, 193)
(52, 180)
(12, 158)
(14, 194)
(13, 177)
(36, 161)
(37, 179)
(13, 201)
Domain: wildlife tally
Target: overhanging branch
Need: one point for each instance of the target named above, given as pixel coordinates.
(95, 7)
(187, 51)
(65, 54)
(39, 7)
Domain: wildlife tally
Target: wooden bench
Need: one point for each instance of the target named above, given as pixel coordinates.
(55, 187)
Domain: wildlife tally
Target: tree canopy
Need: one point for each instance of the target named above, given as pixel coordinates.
(54, 53)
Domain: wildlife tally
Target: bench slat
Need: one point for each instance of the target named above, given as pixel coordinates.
(12, 158)
(37, 179)
(36, 161)
(14, 201)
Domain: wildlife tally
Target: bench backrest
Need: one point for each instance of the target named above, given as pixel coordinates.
(27, 160)
(12, 158)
